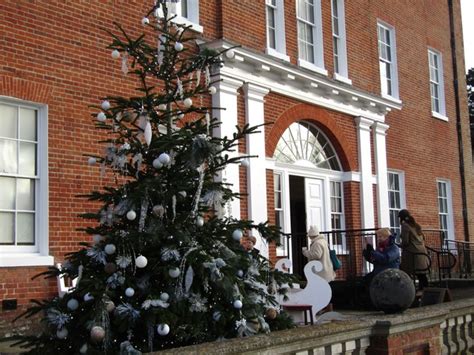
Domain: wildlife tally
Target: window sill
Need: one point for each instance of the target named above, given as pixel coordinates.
(184, 21)
(310, 66)
(439, 116)
(392, 98)
(276, 54)
(343, 79)
(15, 260)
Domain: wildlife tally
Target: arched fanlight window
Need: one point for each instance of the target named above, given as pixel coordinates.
(303, 143)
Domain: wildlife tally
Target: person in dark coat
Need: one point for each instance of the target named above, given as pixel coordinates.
(387, 254)
(415, 260)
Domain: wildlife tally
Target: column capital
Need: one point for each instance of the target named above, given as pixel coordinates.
(363, 122)
(380, 127)
(227, 84)
(255, 92)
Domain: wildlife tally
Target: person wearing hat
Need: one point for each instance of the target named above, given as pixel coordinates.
(319, 250)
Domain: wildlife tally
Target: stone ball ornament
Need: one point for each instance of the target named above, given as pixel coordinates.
(392, 291)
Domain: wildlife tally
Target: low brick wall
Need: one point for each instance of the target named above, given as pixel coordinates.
(439, 329)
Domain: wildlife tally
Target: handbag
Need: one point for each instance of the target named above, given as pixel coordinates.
(336, 263)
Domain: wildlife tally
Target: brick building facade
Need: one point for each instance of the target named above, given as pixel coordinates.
(358, 97)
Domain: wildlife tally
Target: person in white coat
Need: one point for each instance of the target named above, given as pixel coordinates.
(319, 250)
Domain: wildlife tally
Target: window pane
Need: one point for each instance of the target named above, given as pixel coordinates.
(8, 119)
(8, 156)
(7, 222)
(26, 194)
(184, 8)
(26, 229)
(7, 194)
(27, 159)
(28, 124)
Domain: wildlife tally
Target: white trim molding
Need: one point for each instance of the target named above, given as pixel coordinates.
(380, 154)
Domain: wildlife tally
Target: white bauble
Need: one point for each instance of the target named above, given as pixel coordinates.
(88, 297)
(216, 316)
(91, 161)
(159, 210)
(183, 193)
(145, 21)
(83, 349)
(245, 163)
(174, 273)
(141, 262)
(178, 46)
(62, 333)
(110, 249)
(157, 163)
(101, 117)
(162, 107)
(109, 306)
(97, 238)
(97, 333)
(237, 234)
(164, 158)
(105, 105)
(115, 54)
(72, 304)
(188, 102)
(240, 273)
(131, 215)
(164, 297)
(230, 54)
(212, 90)
(129, 292)
(199, 221)
(163, 329)
(238, 304)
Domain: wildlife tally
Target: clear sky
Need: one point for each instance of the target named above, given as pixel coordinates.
(467, 8)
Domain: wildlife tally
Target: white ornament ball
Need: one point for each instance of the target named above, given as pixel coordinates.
(174, 273)
(164, 158)
(230, 54)
(188, 102)
(141, 261)
(157, 163)
(178, 46)
(105, 105)
(238, 304)
(109, 306)
(129, 292)
(237, 234)
(183, 193)
(145, 21)
(91, 161)
(62, 333)
(97, 333)
(97, 238)
(240, 273)
(199, 221)
(110, 249)
(163, 329)
(164, 297)
(101, 117)
(131, 215)
(72, 304)
(88, 297)
(212, 90)
(162, 107)
(115, 54)
(83, 349)
(245, 163)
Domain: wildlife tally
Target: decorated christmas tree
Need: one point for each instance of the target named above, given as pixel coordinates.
(165, 266)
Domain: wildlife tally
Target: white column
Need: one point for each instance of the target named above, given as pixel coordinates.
(380, 153)
(365, 166)
(256, 174)
(226, 99)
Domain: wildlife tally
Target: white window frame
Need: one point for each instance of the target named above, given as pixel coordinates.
(441, 114)
(281, 250)
(280, 43)
(318, 48)
(449, 205)
(341, 248)
(401, 193)
(339, 41)
(192, 18)
(393, 62)
(11, 256)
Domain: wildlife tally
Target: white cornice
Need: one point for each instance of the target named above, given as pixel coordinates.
(292, 81)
